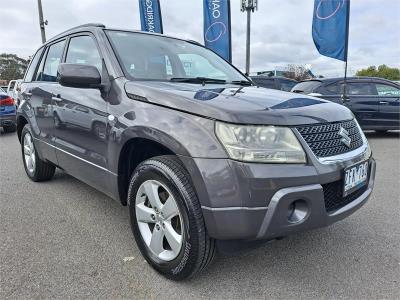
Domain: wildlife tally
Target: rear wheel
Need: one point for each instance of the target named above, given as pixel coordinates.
(35, 168)
(10, 128)
(166, 219)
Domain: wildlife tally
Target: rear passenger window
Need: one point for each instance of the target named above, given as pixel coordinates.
(53, 59)
(83, 50)
(33, 65)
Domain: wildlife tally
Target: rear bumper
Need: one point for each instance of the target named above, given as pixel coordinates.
(272, 220)
(8, 120)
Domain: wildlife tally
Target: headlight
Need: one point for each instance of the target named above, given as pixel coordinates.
(368, 152)
(267, 144)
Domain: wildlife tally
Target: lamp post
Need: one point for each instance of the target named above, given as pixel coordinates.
(248, 6)
(41, 22)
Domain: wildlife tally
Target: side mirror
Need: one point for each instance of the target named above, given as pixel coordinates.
(315, 94)
(79, 76)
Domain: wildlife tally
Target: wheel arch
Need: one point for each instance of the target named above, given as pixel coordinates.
(21, 122)
(135, 150)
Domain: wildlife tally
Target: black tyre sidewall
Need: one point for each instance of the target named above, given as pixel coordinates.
(181, 267)
(43, 170)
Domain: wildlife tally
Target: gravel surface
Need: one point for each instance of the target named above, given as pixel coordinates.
(63, 239)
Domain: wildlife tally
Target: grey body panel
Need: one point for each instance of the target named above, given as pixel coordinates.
(245, 105)
(235, 196)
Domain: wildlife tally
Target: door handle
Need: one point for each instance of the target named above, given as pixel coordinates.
(383, 102)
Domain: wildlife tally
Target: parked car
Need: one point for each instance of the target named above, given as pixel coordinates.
(203, 161)
(7, 113)
(13, 88)
(274, 82)
(374, 101)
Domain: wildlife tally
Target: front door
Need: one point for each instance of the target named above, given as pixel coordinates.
(80, 125)
(363, 102)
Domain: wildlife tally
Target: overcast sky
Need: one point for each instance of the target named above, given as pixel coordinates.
(281, 29)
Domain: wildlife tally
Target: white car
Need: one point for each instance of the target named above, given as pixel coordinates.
(13, 89)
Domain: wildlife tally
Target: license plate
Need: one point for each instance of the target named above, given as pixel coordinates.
(355, 177)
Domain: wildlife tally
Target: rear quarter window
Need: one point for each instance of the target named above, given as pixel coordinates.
(306, 87)
(32, 67)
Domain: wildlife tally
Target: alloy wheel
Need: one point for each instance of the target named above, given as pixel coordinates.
(29, 153)
(159, 220)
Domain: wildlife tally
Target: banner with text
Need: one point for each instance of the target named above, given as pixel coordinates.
(150, 16)
(217, 27)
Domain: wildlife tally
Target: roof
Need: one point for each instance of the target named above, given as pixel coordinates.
(360, 78)
(88, 25)
(102, 26)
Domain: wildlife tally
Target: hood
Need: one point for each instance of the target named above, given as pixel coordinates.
(238, 104)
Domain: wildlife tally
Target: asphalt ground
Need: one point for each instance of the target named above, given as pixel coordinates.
(63, 239)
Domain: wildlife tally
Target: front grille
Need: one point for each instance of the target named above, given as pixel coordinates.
(324, 140)
(333, 195)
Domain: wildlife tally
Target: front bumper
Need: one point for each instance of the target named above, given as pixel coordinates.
(260, 197)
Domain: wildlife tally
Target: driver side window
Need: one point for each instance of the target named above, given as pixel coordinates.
(387, 90)
(83, 50)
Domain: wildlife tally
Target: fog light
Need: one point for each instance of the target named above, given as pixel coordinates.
(297, 211)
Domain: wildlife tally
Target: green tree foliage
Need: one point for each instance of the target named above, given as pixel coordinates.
(12, 66)
(383, 71)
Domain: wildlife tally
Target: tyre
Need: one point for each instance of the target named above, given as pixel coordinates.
(167, 220)
(35, 168)
(10, 128)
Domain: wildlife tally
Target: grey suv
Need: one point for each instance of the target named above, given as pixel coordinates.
(203, 159)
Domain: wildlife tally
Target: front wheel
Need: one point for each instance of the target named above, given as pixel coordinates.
(35, 168)
(166, 219)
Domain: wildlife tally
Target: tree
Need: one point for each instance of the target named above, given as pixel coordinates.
(12, 66)
(383, 71)
(297, 72)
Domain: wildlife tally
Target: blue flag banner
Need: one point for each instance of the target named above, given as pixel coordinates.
(217, 27)
(330, 29)
(150, 16)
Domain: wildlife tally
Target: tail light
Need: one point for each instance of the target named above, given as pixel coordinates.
(6, 101)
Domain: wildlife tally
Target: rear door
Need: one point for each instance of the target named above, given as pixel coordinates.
(43, 88)
(389, 104)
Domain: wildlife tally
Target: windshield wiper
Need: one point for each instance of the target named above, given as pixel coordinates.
(202, 80)
(242, 82)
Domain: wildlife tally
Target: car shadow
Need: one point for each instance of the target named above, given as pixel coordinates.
(2, 132)
(382, 135)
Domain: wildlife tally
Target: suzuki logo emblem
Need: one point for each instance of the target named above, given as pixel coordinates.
(345, 137)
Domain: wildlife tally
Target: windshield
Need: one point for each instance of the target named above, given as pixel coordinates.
(151, 57)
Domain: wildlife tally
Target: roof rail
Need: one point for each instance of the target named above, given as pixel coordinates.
(76, 27)
(88, 25)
